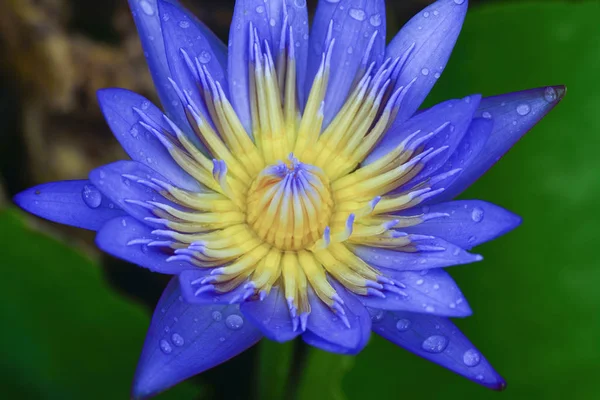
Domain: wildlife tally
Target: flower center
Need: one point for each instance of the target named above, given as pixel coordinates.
(289, 204)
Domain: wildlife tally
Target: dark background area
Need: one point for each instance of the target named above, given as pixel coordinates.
(55, 54)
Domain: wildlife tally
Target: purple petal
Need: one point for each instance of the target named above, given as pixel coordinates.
(75, 203)
(514, 114)
(434, 253)
(120, 182)
(354, 24)
(127, 239)
(272, 316)
(453, 117)
(332, 327)
(430, 291)
(185, 340)
(190, 282)
(267, 18)
(469, 222)
(433, 33)
(141, 145)
(438, 340)
(182, 32)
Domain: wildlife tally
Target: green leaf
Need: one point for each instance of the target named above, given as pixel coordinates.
(535, 297)
(65, 334)
(275, 364)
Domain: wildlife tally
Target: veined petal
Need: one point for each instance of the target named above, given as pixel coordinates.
(514, 114)
(184, 340)
(469, 222)
(272, 316)
(120, 182)
(349, 331)
(118, 106)
(75, 203)
(183, 33)
(432, 33)
(435, 253)
(267, 19)
(429, 292)
(440, 341)
(359, 30)
(449, 120)
(128, 239)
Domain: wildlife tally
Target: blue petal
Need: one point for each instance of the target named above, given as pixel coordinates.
(331, 327)
(354, 24)
(141, 145)
(469, 222)
(267, 18)
(119, 182)
(434, 253)
(182, 32)
(272, 316)
(433, 33)
(147, 20)
(514, 114)
(438, 340)
(465, 154)
(429, 292)
(190, 282)
(450, 120)
(185, 340)
(117, 238)
(75, 203)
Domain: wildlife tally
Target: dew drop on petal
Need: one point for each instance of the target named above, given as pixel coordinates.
(486, 115)
(91, 196)
(177, 340)
(425, 71)
(234, 322)
(217, 316)
(435, 344)
(184, 24)
(375, 20)
(204, 57)
(471, 358)
(260, 9)
(403, 325)
(377, 316)
(146, 7)
(550, 94)
(459, 2)
(426, 14)
(523, 109)
(357, 14)
(477, 214)
(165, 347)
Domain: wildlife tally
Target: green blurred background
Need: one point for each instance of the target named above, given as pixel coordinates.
(74, 320)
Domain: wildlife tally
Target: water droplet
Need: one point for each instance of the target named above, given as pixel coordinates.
(146, 7)
(204, 57)
(350, 50)
(375, 20)
(217, 316)
(471, 358)
(184, 24)
(426, 14)
(486, 115)
(165, 347)
(477, 214)
(459, 2)
(260, 9)
(377, 315)
(403, 325)
(435, 344)
(479, 377)
(437, 75)
(425, 71)
(145, 105)
(167, 329)
(430, 309)
(300, 3)
(357, 14)
(436, 287)
(234, 322)
(550, 94)
(419, 282)
(221, 339)
(124, 223)
(177, 340)
(91, 196)
(436, 13)
(272, 22)
(523, 109)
